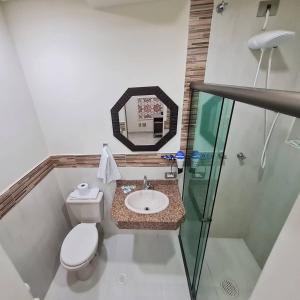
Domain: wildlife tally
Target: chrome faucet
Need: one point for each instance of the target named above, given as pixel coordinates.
(146, 185)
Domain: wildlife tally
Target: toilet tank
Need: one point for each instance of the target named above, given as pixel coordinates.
(85, 210)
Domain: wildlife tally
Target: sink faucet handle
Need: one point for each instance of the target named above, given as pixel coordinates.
(146, 185)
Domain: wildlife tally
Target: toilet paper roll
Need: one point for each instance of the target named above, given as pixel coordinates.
(83, 188)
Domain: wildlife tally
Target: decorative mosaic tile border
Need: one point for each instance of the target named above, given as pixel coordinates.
(123, 160)
(198, 39)
(21, 188)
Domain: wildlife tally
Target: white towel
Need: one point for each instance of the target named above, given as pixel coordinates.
(108, 170)
(90, 194)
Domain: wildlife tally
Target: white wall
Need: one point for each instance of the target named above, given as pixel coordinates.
(229, 59)
(21, 140)
(280, 277)
(251, 204)
(78, 61)
(11, 285)
(32, 233)
(276, 194)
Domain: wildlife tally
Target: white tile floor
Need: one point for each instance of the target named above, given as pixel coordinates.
(227, 259)
(143, 265)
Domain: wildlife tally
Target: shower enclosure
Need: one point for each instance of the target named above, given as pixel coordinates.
(206, 143)
(231, 225)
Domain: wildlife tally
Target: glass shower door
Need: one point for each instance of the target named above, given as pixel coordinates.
(209, 125)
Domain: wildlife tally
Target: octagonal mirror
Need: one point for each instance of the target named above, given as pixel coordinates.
(144, 118)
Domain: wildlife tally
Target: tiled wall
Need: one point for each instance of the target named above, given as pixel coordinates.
(123, 160)
(32, 234)
(199, 31)
(20, 189)
(23, 186)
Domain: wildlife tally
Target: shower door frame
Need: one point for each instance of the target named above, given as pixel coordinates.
(193, 283)
(263, 98)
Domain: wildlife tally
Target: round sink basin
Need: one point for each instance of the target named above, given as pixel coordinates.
(147, 202)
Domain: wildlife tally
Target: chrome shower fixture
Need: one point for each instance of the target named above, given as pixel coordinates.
(221, 7)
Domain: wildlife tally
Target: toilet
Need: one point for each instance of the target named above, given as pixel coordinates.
(80, 246)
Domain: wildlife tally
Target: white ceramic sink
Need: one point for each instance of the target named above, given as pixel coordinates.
(147, 202)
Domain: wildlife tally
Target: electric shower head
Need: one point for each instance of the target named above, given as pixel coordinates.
(269, 39)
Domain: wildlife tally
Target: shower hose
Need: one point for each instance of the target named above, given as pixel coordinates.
(267, 135)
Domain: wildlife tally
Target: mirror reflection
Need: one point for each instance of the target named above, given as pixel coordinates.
(144, 120)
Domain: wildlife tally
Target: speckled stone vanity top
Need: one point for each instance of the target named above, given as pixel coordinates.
(168, 219)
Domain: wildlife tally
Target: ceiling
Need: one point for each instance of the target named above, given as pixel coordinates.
(107, 3)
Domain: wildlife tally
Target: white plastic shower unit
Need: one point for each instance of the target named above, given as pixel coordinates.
(262, 41)
(269, 39)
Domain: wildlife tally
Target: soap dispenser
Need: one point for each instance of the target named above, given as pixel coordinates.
(180, 157)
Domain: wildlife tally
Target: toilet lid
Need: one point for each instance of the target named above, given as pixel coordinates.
(79, 245)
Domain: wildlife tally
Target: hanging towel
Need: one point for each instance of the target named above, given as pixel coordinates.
(108, 170)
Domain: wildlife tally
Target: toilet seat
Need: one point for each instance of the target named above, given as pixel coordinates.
(79, 246)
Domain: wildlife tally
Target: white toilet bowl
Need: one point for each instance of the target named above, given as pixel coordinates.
(79, 248)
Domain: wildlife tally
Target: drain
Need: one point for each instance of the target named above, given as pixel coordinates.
(230, 288)
(123, 278)
(147, 208)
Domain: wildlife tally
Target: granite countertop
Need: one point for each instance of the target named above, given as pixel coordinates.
(168, 219)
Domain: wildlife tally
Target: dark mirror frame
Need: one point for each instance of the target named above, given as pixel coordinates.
(141, 91)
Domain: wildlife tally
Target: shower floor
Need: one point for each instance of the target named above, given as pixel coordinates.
(228, 261)
(133, 266)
